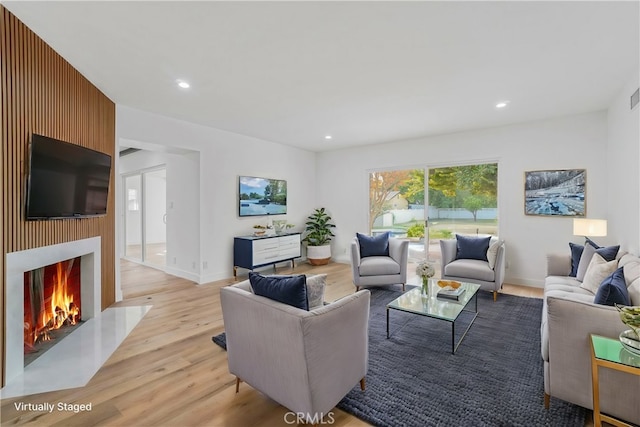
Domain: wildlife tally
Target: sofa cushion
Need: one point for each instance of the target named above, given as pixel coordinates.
(291, 290)
(315, 290)
(634, 292)
(598, 269)
(472, 247)
(470, 268)
(567, 287)
(576, 253)
(580, 260)
(373, 245)
(631, 265)
(607, 252)
(613, 290)
(378, 266)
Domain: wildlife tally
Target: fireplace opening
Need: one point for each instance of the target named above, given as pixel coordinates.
(52, 306)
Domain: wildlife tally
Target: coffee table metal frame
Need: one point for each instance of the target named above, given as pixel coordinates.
(438, 308)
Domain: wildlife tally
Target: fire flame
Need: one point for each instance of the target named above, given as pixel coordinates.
(61, 311)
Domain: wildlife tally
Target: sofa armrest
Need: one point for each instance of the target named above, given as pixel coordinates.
(448, 249)
(500, 265)
(399, 250)
(336, 340)
(570, 324)
(558, 264)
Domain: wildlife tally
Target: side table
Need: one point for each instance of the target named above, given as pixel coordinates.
(609, 353)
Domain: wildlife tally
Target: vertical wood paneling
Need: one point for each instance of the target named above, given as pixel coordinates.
(42, 93)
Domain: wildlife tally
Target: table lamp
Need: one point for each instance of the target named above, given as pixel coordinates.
(589, 227)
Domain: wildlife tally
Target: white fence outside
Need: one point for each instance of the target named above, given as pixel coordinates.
(402, 216)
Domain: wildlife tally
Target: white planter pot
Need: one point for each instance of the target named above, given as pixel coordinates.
(319, 255)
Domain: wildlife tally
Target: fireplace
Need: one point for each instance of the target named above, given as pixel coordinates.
(52, 306)
(91, 344)
(81, 258)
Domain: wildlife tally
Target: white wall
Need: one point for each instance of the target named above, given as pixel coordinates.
(223, 156)
(623, 210)
(181, 203)
(574, 142)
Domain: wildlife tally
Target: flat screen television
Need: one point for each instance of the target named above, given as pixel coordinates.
(262, 196)
(66, 180)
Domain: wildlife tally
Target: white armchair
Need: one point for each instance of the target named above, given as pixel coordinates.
(305, 360)
(489, 277)
(380, 270)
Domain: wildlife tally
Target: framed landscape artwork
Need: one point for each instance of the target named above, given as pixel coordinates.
(555, 192)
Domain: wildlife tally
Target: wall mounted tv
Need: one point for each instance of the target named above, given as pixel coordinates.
(66, 180)
(262, 196)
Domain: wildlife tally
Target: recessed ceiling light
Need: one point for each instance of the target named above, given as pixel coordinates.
(328, 137)
(183, 84)
(502, 104)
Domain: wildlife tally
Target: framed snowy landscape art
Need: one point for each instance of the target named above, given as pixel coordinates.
(555, 192)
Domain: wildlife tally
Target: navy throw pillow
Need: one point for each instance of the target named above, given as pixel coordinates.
(291, 290)
(608, 253)
(373, 245)
(613, 290)
(576, 254)
(472, 247)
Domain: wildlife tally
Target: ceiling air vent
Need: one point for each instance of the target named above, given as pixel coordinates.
(635, 98)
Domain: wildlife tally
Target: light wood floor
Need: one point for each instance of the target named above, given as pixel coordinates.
(168, 372)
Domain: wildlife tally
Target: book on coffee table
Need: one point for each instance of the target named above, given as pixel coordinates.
(449, 292)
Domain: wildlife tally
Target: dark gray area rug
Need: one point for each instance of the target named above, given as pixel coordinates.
(494, 379)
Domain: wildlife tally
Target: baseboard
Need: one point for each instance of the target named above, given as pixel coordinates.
(183, 274)
(525, 282)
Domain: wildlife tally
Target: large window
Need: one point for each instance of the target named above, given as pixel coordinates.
(461, 200)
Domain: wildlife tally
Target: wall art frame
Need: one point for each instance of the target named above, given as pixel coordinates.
(560, 192)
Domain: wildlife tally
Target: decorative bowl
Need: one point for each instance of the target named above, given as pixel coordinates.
(259, 232)
(452, 283)
(629, 340)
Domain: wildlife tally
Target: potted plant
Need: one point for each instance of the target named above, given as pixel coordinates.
(318, 237)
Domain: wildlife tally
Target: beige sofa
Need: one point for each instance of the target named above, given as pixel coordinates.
(305, 360)
(568, 317)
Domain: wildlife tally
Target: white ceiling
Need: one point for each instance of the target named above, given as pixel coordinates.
(364, 72)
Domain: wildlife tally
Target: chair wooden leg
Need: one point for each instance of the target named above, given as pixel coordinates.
(238, 381)
(357, 288)
(547, 400)
(403, 287)
(362, 384)
(495, 296)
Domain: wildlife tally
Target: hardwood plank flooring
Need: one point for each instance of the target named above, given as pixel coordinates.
(167, 372)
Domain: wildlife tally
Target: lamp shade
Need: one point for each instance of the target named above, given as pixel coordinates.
(589, 227)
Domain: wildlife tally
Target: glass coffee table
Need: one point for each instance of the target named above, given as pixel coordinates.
(438, 307)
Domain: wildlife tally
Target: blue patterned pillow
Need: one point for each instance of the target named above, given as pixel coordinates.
(373, 245)
(613, 290)
(291, 290)
(472, 247)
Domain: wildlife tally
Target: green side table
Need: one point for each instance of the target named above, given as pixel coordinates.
(609, 353)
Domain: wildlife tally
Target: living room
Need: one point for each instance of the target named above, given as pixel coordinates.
(601, 137)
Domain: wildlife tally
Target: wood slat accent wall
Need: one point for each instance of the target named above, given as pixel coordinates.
(42, 93)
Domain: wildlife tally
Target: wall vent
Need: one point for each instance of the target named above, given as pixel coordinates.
(635, 98)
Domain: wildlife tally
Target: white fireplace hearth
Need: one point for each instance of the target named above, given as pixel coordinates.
(84, 350)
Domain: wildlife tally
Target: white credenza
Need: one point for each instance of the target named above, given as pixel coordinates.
(251, 252)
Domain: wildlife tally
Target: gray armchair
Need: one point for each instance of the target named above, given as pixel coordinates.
(305, 360)
(473, 270)
(380, 270)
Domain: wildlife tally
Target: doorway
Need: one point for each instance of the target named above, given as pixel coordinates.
(145, 217)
